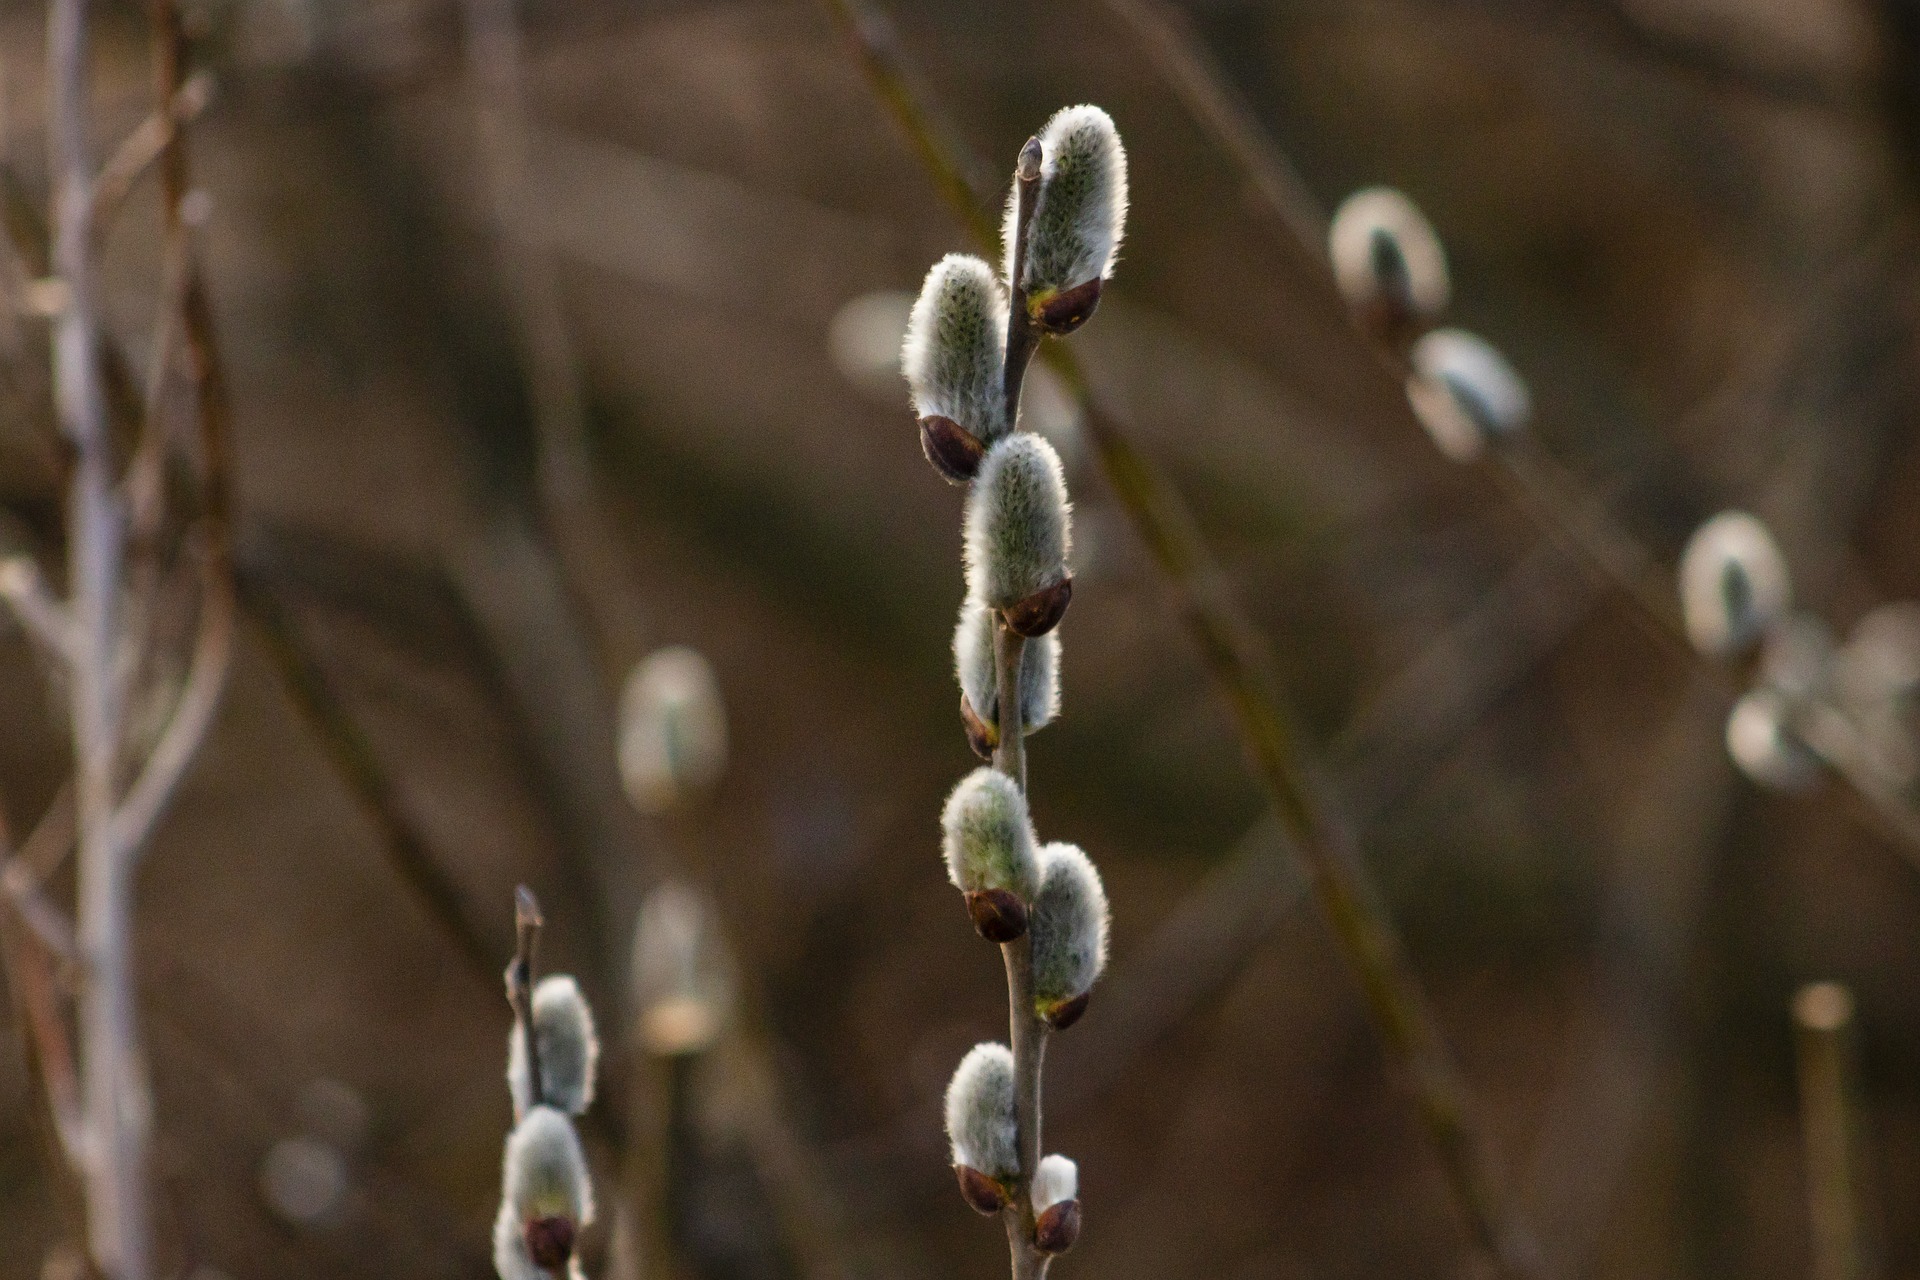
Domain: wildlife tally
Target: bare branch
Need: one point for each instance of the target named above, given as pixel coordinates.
(187, 727)
(140, 150)
(44, 619)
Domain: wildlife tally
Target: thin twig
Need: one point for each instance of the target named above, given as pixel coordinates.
(520, 979)
(1822, 1025)
(140, 150)
(1240, 663)
(45, 620)
(351, 752)
(1530, 477)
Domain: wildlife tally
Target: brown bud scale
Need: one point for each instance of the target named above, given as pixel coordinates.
(983, 736)
(1040, 612)
(1057, 1228)
(998, 914)
(1065, 1013)
(985, 1195)
(954, 451)
(550, 1241)
(1061, 313)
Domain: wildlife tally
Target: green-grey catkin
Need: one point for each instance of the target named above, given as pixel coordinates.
(987, 837)
(1734, 584)
(1386, 255)
(982, 1125)
(569, 1049)
(1465, 393)
(543, 1176)
(1018, 522)
(955, 352)
(974, 665)
(1068, 925)
(1080, 211)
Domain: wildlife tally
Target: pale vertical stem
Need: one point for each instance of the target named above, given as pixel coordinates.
(1822, 1025)
(112, 1086)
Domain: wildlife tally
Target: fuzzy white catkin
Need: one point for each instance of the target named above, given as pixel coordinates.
(1465, 393)
(981, 1122)
(987, 837)
(1734, 584)
(1080, 211)
(1056, 1179)
(1018, 522)
(673, 729)
(544, 1171)
(1385, 251)
(681, 974)
(1764, 746)
(569, 1049)
(1068, 925)
(955, 351)
(973, 663)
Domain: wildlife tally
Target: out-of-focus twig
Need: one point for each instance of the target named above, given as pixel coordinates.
(1822, 1029)
(140, 150)
(353, 756)
(1238, 659)
(1531, 477)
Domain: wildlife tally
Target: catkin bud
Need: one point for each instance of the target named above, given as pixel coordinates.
(682, 976)
(989, 847)
(1056, 1204)
(1761, 740)
(673, 729)
(1734, 584)
(569, 1049)
(1079, 214)
(546, 1198)
(1388, 262)
(1018, 532)
(955, 359)
(982, 1126)
(1465, 393)
(1069, 927)
(973, 663)
(1876, 677)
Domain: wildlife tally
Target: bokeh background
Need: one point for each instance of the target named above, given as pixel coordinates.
(1690, 223)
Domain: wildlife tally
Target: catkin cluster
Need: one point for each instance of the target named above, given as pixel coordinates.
(1810, 702)
(1392, 271)
(546, 1195)
(970, 334)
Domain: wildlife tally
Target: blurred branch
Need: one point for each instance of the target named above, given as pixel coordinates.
(1530, 477)
(1240, 663)
(352, 754)
(1712, 62)
(497, 80)
(1822, 1030)
(47, 622)
(140, 150)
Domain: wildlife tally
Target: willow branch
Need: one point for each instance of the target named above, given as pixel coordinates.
(520, 979)
(1529, 476)
(1242, 667)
